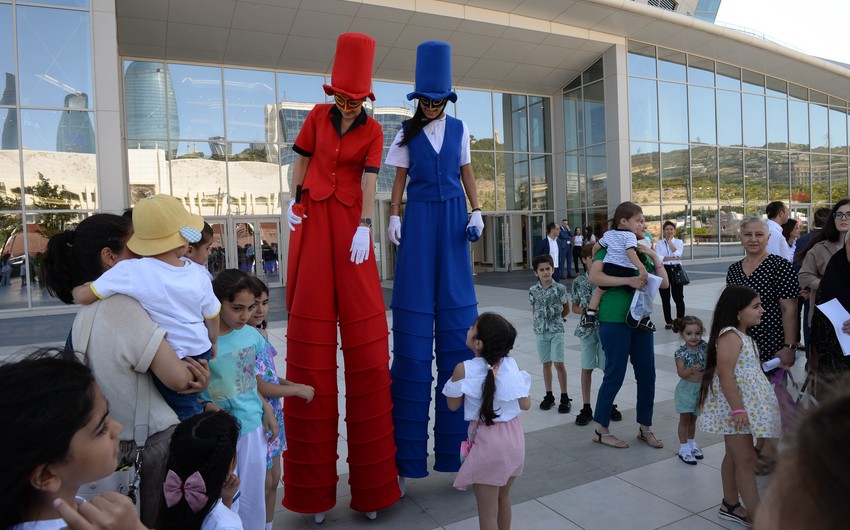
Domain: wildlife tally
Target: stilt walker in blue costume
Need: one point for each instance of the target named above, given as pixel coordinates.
(433, 295)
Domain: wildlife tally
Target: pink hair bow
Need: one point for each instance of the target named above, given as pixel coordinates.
(193, 490)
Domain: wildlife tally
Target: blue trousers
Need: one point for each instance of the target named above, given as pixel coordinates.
(184, 405)
(433, 306)
(622, 343)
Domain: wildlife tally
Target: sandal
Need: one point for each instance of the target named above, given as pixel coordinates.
(730, 514)
(652, 441)
(611, 440)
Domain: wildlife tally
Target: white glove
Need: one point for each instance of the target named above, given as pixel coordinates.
(360, 245)
(394, 231)
(476, 221)
(292, 218)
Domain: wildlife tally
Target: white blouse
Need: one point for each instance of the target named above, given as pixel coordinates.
(511, 385)
(664, 249)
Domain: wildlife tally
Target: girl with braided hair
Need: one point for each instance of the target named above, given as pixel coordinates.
(200, 483)
(493, 391)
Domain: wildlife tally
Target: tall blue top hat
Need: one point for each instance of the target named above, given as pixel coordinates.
(433, 71)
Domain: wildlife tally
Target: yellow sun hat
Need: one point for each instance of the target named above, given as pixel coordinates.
(161, 223)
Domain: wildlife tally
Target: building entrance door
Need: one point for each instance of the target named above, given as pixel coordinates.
(254, 245)
(501, 243)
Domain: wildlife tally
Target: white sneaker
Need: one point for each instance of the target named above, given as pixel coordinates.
(687, 458)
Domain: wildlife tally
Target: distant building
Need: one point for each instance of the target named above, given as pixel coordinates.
(75, 133)
(150, 105)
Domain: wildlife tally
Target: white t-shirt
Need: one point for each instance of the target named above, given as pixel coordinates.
(777, 244)
(187, 260)
(177, 298)
(49, 524)
(221, 518)
(436, 130)
(578, 240)
(618, 242)
(511, 385)
(665, 249)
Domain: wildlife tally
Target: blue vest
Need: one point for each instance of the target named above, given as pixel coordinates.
(435, 176)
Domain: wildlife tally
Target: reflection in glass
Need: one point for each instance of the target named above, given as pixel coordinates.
(10, 180)
(728, 76)
(800, 175)
(301, 88)
(573, 119)
(754, 121)
(538, 118)
(675, 173)
(249, 97)
(147, 168)
(700, 71)
(704, 175)
(501, 114)
(702, 120)
(778, 177)
(254, 176)
(643, 109)
(597, 176)
(572, 181)
(673, 112)
(475, 108)
(582, 179)
(39, 228)
(755, 181)
(59, 158)
(706, 227)
(671, 65)
(680, 214)
(777, 123)
(729, 118)
(541, 179)
(484, 168)
(150, 103)
(645, 174)
(838, 171)
(798, 125)
(517, 139)
(820, 179)
(199, 105)
(199, 178)
(731, 178)
(517, 184)
(54, 55)
(641, 59)
(776, 87)
(838, 131)
(7, 56)
(752, 82)
(593, 73)
(819, 120)
(501, 183)
(84, 4)
(594, 114)
(393, 94)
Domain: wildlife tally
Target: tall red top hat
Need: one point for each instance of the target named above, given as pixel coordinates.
(352, 72)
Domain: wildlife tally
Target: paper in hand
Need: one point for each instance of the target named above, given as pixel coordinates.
(837, 315)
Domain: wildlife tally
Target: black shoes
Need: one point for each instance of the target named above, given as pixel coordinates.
(644, 323)
(547, 402)
(588, 320)
(565, 405)
(584, 416)
(616, 415)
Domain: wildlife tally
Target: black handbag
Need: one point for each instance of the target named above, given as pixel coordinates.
(679, 276)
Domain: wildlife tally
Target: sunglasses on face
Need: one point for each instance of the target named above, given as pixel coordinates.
(432, 104)
(345, 103)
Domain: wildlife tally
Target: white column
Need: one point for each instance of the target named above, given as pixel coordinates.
(617, 126)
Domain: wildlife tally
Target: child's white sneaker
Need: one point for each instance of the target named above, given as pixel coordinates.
(687, 458)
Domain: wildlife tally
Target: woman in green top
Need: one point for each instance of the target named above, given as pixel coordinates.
(621, 341)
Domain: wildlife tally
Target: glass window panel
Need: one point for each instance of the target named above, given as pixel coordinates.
(199, 178)
(838, 131)
(801, 177)
(729, 118)
(700, 71)
(538, 117)
(501, 119)
(147, 168)
(675, 173)
(59, 158)
(150, 102)
(582, 178)
(484, 168)
(728, 76)
(706, 225)
(641, 59)
(575, 83)
(39, 228)
(671, 65)
(818, 97)
(673, 112)
(752, 81)
(777, 123)
(7, 56)
(516, 181)
(731, 178)
(798, 125)
(776, 87)
(393, 94)
(704, 175)
(646, 186)
(779, 184)
(798, 92)
(819, 123)
(593, 72)
(518, 139)
(249, 97)
(702, 117)
(820, 179)
(501, 183)
(643, 109)
(837, 102)
(300, 88)
(199, 105)
(572, 181)
(54, 57)
(62, 3)
(755, 181)
(597, 176)
(290, 118)
(838, 172)
(754, 121)
(254, 174)
(573, 121)
(680, 214)
(541, 182)
(594, 114)
(475, 108)
(12, 235)
(10, 182)
(9, 133)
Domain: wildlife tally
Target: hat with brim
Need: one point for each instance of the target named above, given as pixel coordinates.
(433, 72)
(352, 70)
(161, 223)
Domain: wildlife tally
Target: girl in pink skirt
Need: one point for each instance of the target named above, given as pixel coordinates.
(493, 391)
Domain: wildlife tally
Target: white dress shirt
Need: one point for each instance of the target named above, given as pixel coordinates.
(777, 244)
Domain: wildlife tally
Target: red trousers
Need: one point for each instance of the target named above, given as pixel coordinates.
(326, 288)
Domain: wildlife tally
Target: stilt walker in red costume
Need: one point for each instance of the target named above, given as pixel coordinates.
(333, 278)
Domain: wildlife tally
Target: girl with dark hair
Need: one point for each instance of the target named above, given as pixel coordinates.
(200, 484)
(493, 391)
(58, 435)
(736, 399)
(690, 362)
(125, 345)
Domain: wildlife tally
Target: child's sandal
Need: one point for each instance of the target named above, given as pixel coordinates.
(730, 514)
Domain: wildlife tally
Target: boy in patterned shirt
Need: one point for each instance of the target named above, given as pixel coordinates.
(550, 305)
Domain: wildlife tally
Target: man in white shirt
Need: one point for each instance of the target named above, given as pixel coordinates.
(549, 245)
(777, 214)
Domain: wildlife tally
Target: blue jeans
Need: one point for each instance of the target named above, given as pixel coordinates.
(184, 405)
(620, 342)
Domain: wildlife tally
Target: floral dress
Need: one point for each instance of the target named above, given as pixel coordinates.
(266, 370)
(758, 397)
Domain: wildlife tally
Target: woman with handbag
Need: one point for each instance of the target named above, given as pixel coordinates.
(670, 252)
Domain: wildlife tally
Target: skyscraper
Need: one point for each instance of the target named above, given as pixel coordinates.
(75, 133)
(150, 105)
